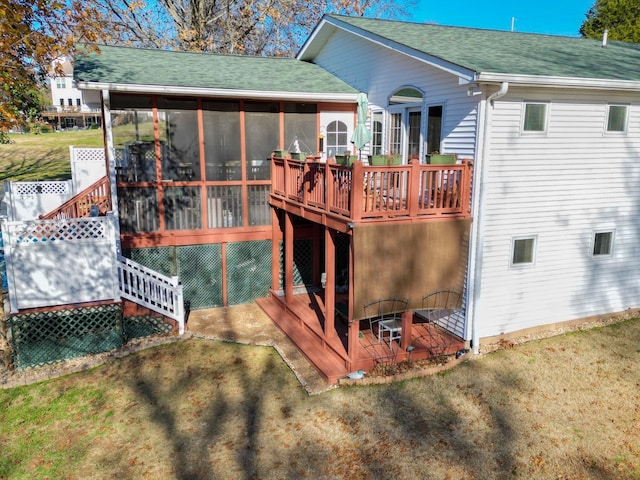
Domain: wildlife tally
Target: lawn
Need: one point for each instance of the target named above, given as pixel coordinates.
(44, 156)
(566, 407)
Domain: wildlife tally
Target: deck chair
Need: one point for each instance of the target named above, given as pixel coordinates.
(385, 317)
(442, 310)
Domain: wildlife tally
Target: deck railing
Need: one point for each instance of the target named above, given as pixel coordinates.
(151, 289)
(361, 192)
(96, 195)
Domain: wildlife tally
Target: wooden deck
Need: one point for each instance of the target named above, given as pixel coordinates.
(336, 195)
(302, 320)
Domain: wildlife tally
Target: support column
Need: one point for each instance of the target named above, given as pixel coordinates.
(330, 289)
(275, 249)
(288, 257)
(354, 326)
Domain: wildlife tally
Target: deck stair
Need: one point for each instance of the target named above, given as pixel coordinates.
(151, 289)
(92, 201)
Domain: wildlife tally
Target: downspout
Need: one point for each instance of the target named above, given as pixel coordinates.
(477, 240)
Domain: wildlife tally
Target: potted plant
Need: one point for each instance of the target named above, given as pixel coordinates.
(280, 153)
(345, 158)
(440, 159)
(385, 160)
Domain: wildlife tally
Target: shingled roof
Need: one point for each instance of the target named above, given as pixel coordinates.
(499, 52)
(134, 69)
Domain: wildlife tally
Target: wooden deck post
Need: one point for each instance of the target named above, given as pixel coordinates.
(288, 257)
(413, 188)
(330, 288)
(407, 325)
(275, 249)
(357, 191)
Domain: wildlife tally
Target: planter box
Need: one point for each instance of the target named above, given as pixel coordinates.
(385, 160)
(442, 159)
(345, 159)
(280, 153)
(299, 156)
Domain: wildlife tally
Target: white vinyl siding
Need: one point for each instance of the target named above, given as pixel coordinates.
(375, 70)
(560, 187)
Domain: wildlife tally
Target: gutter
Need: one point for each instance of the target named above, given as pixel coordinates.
(219, 92)
(477, 240)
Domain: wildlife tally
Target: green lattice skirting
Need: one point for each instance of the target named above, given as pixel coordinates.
(47, 337)
(144, 326)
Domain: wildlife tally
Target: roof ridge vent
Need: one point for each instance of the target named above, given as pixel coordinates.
(605, 35)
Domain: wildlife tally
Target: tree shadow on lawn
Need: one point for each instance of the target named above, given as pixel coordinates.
(45, 166)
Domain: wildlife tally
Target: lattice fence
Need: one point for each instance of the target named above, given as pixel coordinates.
(40, 188)
(48, 337)
(248, 271)
(302, 262)
(145, 326)
(200, 271)
(88, 154)
(24, 233)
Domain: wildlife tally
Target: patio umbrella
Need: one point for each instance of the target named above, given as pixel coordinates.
(361, 135)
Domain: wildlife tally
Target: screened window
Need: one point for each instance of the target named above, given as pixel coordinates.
(535, 117)
(603, 243)
(182, 208)
(221, 124)
(617, 118)
(178, 126)
(132, 120)
(262, 137)
(300, 127)
(523, 251)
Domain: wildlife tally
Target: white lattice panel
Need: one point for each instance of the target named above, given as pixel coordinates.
(88, 155)
(39, 188)
(43, 231)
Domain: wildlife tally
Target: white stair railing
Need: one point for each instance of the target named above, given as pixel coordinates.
(151, 289)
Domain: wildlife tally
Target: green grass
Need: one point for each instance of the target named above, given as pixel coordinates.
(44, 156)
(213, 410)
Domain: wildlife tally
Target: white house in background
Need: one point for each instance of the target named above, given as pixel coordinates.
(553, 127)
(71, 107)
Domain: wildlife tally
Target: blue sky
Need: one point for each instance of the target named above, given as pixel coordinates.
(556, 17)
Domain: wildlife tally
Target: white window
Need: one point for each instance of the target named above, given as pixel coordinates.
(337, 138)
(377, 126)
(603, 243)
(523, 251)
(617, 118)
(535, 117)
(61, 82)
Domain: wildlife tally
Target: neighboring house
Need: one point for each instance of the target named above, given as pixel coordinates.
(70, 106)
(544, 234)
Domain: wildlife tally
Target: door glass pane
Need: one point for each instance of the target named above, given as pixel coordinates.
(414, 134)
(395, 134)
(434, 129)
(222, 140)
(337, 142)
(376, 130)
(262, 127)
